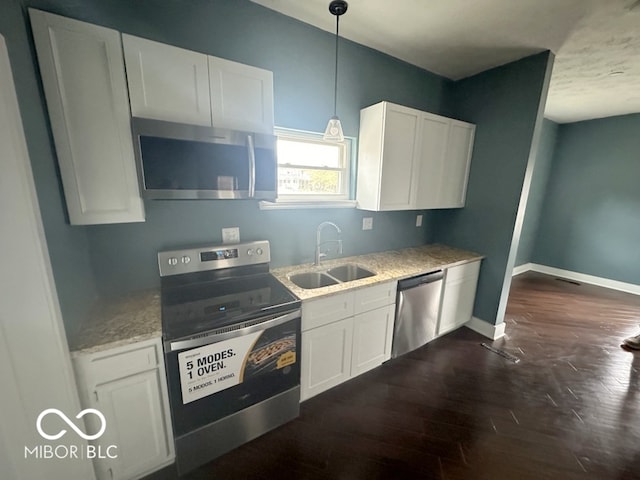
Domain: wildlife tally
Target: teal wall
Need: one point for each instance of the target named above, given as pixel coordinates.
(590, 220)
(537, 194)
(111, 259)
(506, 103)
(68, 246)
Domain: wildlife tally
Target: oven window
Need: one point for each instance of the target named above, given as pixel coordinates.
(228, 376)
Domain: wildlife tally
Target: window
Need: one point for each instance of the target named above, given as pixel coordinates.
(311, 169)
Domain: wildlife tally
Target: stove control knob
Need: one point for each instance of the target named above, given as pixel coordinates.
(173, 261)
(259, 251)
(186, 259)
(250, 252)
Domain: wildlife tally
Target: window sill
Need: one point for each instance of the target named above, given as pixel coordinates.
(291, 205)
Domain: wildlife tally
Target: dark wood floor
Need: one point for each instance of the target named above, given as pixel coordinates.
(569, 409)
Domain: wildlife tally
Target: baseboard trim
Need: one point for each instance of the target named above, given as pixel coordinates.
(486, 329)
(579, 277)
(526, 267)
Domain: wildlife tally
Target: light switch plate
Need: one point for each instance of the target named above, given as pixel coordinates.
(418, 220)
(231, 235)
(367, 223)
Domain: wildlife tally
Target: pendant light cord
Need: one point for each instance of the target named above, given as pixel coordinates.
(335, 85)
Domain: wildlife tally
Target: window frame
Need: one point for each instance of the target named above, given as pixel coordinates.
(347, 149)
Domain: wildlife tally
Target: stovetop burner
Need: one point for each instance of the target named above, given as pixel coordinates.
(207, 288)
(196, 308)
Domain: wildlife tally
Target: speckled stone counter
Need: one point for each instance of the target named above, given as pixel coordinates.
(113, 323)
(389, 265)
(136, 317)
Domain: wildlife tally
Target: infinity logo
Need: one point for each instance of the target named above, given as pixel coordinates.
(71, 424)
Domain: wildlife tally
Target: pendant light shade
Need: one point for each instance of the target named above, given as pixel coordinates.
(334, 133)
(334, 127)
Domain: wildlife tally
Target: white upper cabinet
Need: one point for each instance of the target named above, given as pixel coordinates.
(167, 82)
(433, 148)
(183, 86)
(241, 96)
(84, 83)
(388, 147)
(457, 163)
(412, 160)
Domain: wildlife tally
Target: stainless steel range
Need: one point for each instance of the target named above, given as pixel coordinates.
(231, 336)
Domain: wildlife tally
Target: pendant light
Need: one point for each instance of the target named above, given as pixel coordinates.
(334, 128)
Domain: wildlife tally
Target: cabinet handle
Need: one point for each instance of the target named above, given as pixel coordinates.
(252, 166)
(95, 392)
(111, 472)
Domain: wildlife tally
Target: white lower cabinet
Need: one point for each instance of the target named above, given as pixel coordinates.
(355, 337)
(372, 336)
(326, 357)
(128, 386)
(458, 296)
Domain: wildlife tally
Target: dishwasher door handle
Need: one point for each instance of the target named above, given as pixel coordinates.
(420, 280)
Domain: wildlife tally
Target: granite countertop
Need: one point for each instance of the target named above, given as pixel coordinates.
(115, 322)
(136, 317)
(388, 266)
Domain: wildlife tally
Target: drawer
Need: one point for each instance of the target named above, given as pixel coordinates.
(463, 271)
(323, 311)
(370, 298)
(112, 365)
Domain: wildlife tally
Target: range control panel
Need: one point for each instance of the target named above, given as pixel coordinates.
(175, 262)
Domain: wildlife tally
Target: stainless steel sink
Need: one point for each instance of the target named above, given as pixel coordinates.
(349, 272)
(311, 280)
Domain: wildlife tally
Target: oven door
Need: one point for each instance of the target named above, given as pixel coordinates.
(214, 375)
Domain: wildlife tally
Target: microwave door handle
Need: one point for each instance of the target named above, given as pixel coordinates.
(252, 166)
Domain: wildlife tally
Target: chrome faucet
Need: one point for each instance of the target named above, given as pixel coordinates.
(319, 243)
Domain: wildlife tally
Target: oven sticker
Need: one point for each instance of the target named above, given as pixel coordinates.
(212, 368)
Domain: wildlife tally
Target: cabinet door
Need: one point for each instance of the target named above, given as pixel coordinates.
(398, 182)
(434, 132)
(326, 357)
(135, 424)
(316, 313)
(376, 296)
(166, 82)
(456, 166)
(458, 296)
(84, 83)
(241, 96)
(372, 335)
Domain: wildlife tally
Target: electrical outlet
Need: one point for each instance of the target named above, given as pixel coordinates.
(418, 220)
(231, 235)
(367, 223)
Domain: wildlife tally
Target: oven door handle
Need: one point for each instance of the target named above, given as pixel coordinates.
(224, 333)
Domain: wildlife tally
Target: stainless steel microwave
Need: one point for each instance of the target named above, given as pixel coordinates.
(178, 161)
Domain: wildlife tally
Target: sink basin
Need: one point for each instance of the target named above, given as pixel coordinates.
(349, 272)
(310, 280)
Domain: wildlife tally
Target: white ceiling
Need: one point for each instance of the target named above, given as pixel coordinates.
(592, 40)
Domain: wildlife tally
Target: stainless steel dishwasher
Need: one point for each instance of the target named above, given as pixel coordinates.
(417, 307)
